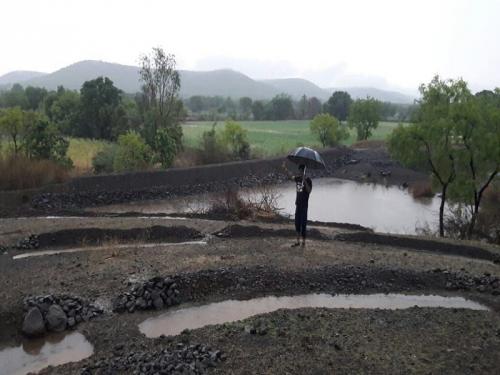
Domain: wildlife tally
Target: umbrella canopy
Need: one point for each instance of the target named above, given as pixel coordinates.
(307, 156)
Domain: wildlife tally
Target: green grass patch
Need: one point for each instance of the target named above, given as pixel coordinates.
(81, 151)
(269, 138)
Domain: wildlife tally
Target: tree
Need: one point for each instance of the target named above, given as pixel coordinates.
(313, 107)
(132, 153)
(328, 129)
(302, 108)
(236, 138)
(43, 140)
(338, 105)
(64, 111)
(429, 141)
(35, 96)
(477, 134)
(12, 125)
(280, 108)
(100, 100)
(245, 107)
(160, 89)
(364, 115)
(15, 97)
(258, 110)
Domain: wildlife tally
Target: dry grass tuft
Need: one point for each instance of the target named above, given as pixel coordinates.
(19, 172)
(421, 189)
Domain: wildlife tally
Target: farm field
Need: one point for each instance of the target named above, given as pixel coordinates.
(275, 137)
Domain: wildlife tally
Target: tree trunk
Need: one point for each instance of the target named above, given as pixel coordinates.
(441, 210)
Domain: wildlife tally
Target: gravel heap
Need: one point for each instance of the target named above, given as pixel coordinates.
(30, 242)
(155, 293)
(56, 313)
(183, 359)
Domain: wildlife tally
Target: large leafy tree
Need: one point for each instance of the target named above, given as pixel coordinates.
(160, 90)
(328, 129)
(477, 128)
(364, 116)
(258, 110)
(280, 108)
(430, 142)
(338, 105)
(100, 101)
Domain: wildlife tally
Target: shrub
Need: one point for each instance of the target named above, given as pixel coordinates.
(328, 129)
(421, 189)
(166, 147)
(236, 139)
(103, 161)
(212, 148)
(20, 172)
(132, 153)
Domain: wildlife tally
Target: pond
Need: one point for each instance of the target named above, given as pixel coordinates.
(175, 321)
(35, 354)
(384, 209)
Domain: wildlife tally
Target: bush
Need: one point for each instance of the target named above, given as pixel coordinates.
(132, 153)
(20, 172)
(212, 148)
(166, 147)
(236, 139)
(328, 129)
(103, 161)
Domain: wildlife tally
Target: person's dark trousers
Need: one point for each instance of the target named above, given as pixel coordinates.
(301, 220)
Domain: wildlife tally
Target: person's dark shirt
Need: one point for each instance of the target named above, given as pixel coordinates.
(302, 198)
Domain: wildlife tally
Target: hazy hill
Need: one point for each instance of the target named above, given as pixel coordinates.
(224, 82)
(382, 95)
(296, 87)
(19, 76)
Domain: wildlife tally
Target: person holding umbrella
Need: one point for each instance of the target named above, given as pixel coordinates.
(304, 157)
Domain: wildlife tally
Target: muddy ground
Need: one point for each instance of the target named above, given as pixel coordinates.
(250, 259)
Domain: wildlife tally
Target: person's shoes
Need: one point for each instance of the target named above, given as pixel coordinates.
(296, 244)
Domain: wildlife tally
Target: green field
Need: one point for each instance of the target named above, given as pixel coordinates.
(275, 137)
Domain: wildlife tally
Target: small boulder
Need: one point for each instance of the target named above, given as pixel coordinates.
(33, 324)
(56, 319)
(158, 303)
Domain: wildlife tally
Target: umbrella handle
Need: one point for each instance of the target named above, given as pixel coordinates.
(304, 176)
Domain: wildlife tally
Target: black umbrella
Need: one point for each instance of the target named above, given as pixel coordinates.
(308, 157)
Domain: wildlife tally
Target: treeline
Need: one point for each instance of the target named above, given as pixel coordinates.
(284, 107)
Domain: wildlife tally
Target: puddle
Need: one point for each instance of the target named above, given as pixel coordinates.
(35, 354)
(93, 248)
(174, 322)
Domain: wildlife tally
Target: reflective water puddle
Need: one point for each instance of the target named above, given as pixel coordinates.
(91, 248)
(35, 354)
(174, 322)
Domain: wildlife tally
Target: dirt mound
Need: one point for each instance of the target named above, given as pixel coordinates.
(421, 245)
(251, 231)
(96, 236)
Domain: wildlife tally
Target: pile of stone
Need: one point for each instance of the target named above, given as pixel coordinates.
(183, 359)
(55, 313)
(155, 293)
(30, 242)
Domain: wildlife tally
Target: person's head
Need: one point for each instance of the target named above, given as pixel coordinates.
(302, 167)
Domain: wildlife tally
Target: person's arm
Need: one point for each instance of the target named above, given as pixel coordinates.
(308, 185)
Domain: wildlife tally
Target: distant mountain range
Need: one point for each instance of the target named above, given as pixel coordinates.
(223, 82)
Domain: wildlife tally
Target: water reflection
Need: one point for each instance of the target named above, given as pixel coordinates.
(174, 322)
(35, 354)
(385, 209)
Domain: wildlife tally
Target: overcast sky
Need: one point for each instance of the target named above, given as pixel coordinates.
(387, 43)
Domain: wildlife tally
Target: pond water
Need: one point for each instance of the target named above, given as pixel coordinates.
(35, 354)
(175, 321)
(385, 209)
